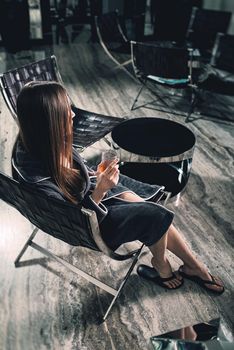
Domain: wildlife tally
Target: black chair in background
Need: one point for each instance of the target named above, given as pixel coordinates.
(88, 127)
(95, 10)
(65, 221)
(170, 20)
(112, 38)
(155, 5)
(64, 14)
(167, 69)
(218, 78)
(15, 25)
(203, 28)
(134, 19)
(223, 52)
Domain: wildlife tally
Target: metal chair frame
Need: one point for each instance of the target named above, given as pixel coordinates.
(144, 84)
(88, 127)
(104, 46)
(19, 195)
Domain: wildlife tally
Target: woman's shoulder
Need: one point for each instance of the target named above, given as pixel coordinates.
(25, 167)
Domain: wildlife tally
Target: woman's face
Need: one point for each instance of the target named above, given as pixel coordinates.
(72, 115)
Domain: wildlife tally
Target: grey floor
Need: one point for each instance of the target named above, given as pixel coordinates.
(42, 306)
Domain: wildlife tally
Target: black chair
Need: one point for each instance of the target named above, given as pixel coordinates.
(64, 14)
(112, 38)
(88, 127)
(70, 223)
(223, 52)
(164, 67)
(218, 78)
(134, 19)
(15, 25)
(170, 20)
(203, 27)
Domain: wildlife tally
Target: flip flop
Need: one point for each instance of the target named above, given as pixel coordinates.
(151, 274)
(202, 282)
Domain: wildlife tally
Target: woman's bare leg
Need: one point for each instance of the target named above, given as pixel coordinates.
(161, 264)
(192, 266)
(158, 250)
(173, 241)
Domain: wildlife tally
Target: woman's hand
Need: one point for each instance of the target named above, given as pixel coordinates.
(106, 180)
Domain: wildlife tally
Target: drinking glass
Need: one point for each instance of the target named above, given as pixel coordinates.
(107, 157)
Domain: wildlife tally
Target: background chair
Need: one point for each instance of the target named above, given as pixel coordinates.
(112, 38)
(70, 223)
(171, 19)
(166, 68)
(88, 127)
(66, 13)
(218, 78)
(134, 15)
(223, 52)
(203, 27)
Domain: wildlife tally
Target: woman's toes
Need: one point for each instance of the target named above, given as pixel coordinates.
(178, 275)
(218, 286)
(173, 283)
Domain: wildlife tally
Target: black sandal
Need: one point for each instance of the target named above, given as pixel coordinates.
(202, 282)
(151, 274)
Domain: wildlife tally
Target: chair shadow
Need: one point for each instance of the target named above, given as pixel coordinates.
(99, 300)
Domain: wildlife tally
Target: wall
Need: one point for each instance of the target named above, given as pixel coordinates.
(225, 5)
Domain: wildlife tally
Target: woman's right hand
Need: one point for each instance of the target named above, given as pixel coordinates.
(106, 180)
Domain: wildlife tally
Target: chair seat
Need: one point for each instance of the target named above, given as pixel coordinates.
(170, 82)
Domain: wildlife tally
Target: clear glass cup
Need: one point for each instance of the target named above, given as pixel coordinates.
(107, 157)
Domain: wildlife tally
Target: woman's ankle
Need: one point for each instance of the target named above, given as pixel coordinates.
(194, 265)
(156, 263)
(163, 267)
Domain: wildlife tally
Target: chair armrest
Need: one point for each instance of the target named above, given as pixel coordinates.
(95, 231)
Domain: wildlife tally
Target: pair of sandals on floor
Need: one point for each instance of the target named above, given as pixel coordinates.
(150, 273)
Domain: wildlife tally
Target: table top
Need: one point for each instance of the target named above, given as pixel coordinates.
(153, 137)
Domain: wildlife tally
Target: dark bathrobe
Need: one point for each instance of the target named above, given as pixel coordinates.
(120, 221)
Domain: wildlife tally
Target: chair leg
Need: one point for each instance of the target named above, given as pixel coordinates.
(193, 103)
(98, 283)
(17, 260)
(136, 98)
(123, 282)
(149, 102)
(93, 280)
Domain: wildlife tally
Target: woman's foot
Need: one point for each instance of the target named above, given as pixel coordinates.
(201, 276)
(169, 279)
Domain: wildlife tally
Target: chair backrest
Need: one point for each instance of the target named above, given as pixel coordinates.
(171, 19)
(134, 16)
(12, 81)
(68, 222)
(88, 127)
(160, 61)
(60, 219)
(205, 24)
(223, 52)
(109, 29)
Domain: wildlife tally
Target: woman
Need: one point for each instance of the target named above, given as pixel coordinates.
(43, 157)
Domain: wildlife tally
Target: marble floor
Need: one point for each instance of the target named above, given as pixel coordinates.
(43, 306)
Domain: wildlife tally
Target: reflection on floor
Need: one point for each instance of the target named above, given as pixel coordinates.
(44, 307)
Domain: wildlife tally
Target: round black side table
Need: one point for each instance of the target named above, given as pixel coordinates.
(156, 151)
